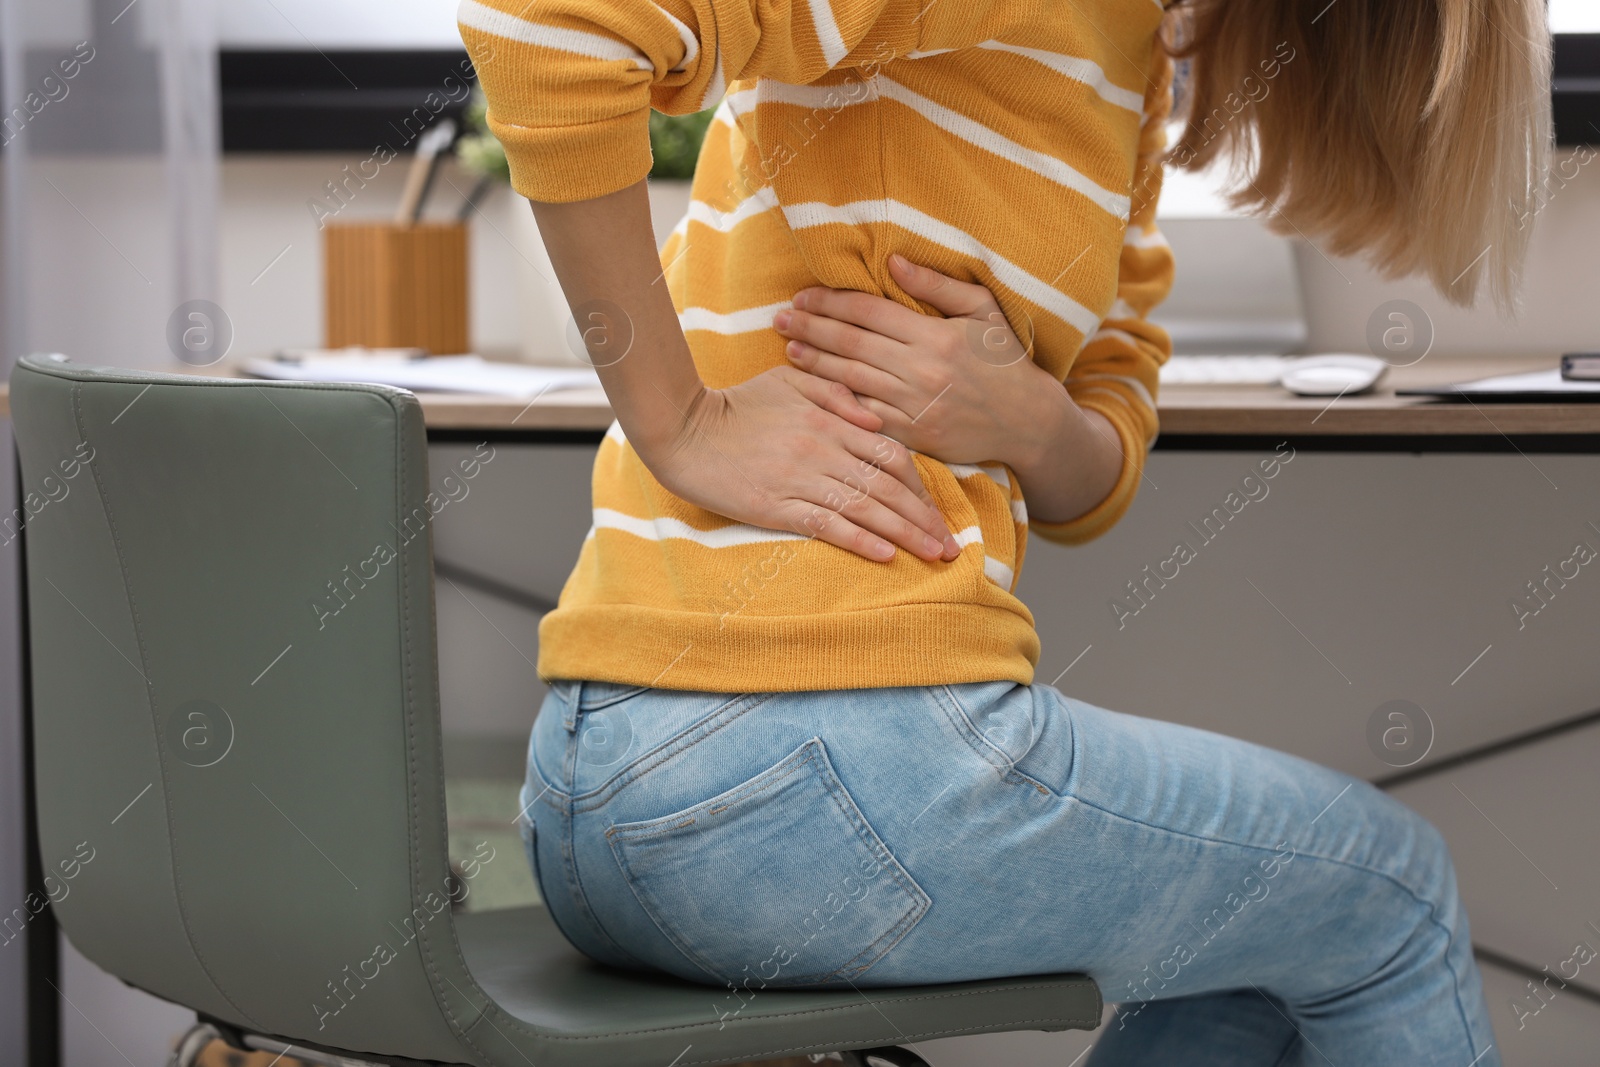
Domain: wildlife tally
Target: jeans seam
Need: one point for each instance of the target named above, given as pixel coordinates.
(598, 796)
(666, 823)
(580, 898)
(920, 900)
(1010, 772)
(628, 694)
(816, 757)
(548, 790)
(1258, 848)
(1431, 906)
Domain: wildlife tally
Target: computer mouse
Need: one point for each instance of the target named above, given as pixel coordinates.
(1334, 374)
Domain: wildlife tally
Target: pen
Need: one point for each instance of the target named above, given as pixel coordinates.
(423, 166)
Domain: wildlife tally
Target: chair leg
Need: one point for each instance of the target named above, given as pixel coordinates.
(192, 1044)
(305, 1055)
(893, 1055)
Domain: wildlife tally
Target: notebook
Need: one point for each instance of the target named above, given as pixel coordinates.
(1540, 386)
(448, 374)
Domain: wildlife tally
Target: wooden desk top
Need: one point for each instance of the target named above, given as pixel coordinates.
(1189, 410)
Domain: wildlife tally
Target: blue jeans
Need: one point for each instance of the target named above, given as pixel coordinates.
(1243, 907)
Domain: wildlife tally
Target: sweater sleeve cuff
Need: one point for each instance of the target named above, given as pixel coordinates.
(561, 164)
(1104, 515)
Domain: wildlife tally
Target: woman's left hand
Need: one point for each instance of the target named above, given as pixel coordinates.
(960, 389)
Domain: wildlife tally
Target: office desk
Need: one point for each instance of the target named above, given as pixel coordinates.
(1379, 568)
(1212, 412)
(1186, 411)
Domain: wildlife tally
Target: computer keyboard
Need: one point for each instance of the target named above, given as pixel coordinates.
(1224, 370)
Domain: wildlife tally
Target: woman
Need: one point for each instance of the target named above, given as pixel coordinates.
(793, 735)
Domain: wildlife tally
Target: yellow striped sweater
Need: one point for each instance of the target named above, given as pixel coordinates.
(1014, 143)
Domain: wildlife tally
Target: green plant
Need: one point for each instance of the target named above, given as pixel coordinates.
(478, 150)
(674, 143)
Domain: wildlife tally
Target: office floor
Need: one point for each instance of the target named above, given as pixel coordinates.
(481, 810)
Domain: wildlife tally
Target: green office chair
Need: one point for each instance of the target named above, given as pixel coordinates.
(236, 741)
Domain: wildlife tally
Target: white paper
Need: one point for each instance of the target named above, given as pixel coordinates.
(448, 374)
(1539, 381)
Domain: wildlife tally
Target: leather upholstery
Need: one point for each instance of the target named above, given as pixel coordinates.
(594, 1014)
(236, 715)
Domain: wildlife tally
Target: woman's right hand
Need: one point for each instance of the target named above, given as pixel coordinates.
(790, 451)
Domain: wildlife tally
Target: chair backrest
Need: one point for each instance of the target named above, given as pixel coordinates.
(235, 703)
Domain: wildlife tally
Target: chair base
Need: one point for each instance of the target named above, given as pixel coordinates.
(893, 1055)
(193, 1042)
(207, 1030)
(204, 1032)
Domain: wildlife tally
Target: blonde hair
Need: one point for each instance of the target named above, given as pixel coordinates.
(1415, 132)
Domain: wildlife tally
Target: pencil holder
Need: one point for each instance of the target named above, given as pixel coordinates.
(392, 286)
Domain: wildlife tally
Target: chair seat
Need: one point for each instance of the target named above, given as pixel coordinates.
(585, 1013)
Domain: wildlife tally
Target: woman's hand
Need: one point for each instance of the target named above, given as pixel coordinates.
(785, 450)
(961, 389)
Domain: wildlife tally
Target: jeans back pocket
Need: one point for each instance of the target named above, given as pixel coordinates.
(777, 882)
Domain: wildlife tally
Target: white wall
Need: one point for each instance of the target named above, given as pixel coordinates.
(278, 303)
(1559, 310)
(518, 311)
(338, 24)
(106, 234)
(517, 308)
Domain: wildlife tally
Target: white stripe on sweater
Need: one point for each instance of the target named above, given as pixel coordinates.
(1134, 384)
(741, 533)
(1113, 334)
(662, 529)
(1019, 510)
(757, 203)
(833, 46)
(993, 569)
(593, 45)
(998, 572)
(717, 86)
(745, 320)
(1079, 70)
(691, 43)
(976, 133)
(972, 535)
(906, 217)
(691, 51)
(739, 103)
(1136, 238)
(967, 470)
(832, 98)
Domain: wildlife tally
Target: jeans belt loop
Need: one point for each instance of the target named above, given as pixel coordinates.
(571, 694)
